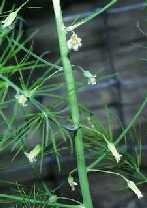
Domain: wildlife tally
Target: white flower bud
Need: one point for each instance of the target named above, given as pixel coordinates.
(32, 155)
(135, 189)
(114, 151)
(9, 19)
(91, 77)
(22, 99)
(72, 183)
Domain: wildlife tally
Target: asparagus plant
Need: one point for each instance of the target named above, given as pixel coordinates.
(73, 103)
(88, 134)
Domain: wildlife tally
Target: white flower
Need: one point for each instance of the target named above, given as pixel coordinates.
(135, 189)
(32, 155)
(91, 77)
(74, 43)
(72, 183)
(22, 99)
(114, 151)
(9, 19)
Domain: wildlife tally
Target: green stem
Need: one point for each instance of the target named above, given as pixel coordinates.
(123, 134)
(132, 122)
(70, 82)
(90, 17)
(26, 200)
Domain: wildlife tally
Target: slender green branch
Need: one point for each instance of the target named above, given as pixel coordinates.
(27, 1)
(70, 82)
(132, 122)
(24, 200)
(123, 134)
(2, 6)
(108, 172)
(90, 17)
(21, 46)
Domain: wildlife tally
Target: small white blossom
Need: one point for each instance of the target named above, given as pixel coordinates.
(135, 189)
(114, 151)
(9, 19)
(33, 154)
(22, 99)
(91, 77)
(72, 183)
(74, 43)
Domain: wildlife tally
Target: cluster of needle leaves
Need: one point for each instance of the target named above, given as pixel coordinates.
(40, 120)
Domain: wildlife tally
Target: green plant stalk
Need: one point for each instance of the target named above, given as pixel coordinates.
(73, 103)
(28, 200)
(93, 15)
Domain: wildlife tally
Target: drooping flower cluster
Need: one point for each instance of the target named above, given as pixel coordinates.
(114, 151)
(134, 188)
(72, 183)
(33, 154)
(91, 77)
(74, 43)
(9, 19)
